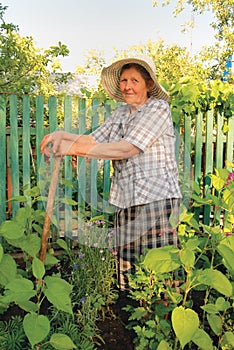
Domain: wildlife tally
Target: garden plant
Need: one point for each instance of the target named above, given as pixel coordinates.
(185, 294)
(61, 300)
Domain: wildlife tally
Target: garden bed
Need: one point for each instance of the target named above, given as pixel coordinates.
(113, 328)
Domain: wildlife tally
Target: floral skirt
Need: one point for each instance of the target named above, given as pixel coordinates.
(143, 227)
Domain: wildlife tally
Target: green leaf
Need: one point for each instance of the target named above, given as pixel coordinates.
(62, 244)
(21, 289)
(51, 260)
(217, 182)
(186, 217)
(163, 345)
(68, 201)
(138, 313)
(222, 304)
(1, 252)
(229, 242)
(67, 183)
(62, 342)
(164, 259)
(216, 280)
(185, 323)
(228, 256)
(210, 308)
(8, 269)
(215, 323)
(202, 340)
(30, 245)
(37, 228)
(11, 230)
(18, 199)
(4, 304)
(38, 268)
(187, 257)
(58, 293)
(228, 198)
(36, 327)
(193, 243)
(229, 338)
(225, 128)
(28, 306)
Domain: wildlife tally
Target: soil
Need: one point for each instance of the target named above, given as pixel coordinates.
(113, 329)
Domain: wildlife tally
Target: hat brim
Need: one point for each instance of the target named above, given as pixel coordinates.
(110, 79)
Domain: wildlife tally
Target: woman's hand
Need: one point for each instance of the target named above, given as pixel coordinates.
(60, 141)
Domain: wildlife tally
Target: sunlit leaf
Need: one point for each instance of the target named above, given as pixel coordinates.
(163, 259)
(185, 323)
(215, 322)
(202, 340)
(216, 280)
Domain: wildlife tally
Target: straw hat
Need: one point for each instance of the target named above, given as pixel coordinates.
(110, 77)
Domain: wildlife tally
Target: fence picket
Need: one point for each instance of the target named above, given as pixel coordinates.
(3, 158)
(198, 156)
(68, 167)
(208, 162)
(219, 142)
(230, 141)
(94, 164)
(27, 150)
(187, 160)
(14, 152)
(106, 174)
(53, 125)
(39, 128)
(81, 170)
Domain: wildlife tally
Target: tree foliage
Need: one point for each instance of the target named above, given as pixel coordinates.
(23, 67)
(222, 11)
(223, 24)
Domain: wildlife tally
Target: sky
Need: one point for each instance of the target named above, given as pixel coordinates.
(103, 25)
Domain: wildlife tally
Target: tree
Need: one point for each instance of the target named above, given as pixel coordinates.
(223, 25)
(23, 67)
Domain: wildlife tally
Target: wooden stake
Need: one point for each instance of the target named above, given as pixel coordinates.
(49, 209)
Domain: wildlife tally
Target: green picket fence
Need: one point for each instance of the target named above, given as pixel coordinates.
(204, 143)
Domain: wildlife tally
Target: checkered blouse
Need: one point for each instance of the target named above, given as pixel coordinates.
(152, 174)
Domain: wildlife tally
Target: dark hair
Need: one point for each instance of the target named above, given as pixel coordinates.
(144, 73)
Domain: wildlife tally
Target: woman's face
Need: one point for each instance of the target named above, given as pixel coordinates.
(133, 87)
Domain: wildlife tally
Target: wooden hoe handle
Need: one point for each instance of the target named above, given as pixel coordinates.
(49, 209)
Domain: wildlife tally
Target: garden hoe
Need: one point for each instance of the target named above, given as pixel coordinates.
(49, 209)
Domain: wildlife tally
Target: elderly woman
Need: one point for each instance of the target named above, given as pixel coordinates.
(139, 138)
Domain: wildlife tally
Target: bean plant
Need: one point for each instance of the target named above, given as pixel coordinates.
(185, 293)
(60, 306)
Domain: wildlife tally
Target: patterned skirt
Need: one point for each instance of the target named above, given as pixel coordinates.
(140, 228)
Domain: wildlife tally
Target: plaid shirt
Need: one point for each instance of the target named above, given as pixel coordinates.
(152, 174)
